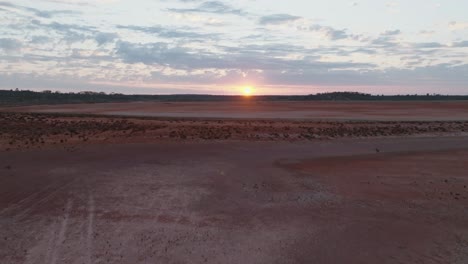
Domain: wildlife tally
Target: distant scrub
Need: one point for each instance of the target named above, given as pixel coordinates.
(19, 97)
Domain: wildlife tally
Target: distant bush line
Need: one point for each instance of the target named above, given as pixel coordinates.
(26, 97)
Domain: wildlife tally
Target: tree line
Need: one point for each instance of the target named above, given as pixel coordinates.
(27, 97)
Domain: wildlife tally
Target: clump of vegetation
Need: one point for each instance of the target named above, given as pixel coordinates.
(20, 97)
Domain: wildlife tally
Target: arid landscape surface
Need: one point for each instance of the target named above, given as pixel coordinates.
(247, 109)
(245, 182)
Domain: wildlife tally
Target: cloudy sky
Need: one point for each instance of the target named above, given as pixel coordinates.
(196, 46)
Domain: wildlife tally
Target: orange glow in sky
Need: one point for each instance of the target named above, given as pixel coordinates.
(247, 91)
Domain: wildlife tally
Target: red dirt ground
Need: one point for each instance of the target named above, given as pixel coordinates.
(31, 131)
(395, 111)
(238, 202)
(215, 189)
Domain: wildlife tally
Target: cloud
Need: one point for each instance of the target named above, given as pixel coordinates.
(428, 45)
(369, 51)
(197, 18)
(334, 34)
(391, 32)
(454, 25)
(61, 27)
(70, 33)
(460, 44)
(330, 32)
(83, 2)
(104, 38)
(166, 32)
(387, 39)
(41, 40)
(277, 19)
(427, 32)
(9, 45)
(37, 12)
(448, 75)
(245, 58)
(212, 7)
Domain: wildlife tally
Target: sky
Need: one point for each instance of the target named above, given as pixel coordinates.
(219, 47)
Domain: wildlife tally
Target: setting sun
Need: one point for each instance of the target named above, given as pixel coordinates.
(247, 91)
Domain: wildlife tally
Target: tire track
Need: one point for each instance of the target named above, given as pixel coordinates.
(23, 214)
(31, 198)
(90, 229)
(61, 235)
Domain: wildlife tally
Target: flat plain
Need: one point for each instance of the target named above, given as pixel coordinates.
(243, 182)
(249, 109)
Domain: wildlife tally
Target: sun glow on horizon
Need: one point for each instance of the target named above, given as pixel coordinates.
(247, 90)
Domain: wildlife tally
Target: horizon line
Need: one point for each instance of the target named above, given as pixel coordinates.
(228, 95)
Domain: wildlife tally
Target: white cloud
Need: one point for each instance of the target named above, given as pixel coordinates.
(454, 25)
(84, 2)
(207, 20)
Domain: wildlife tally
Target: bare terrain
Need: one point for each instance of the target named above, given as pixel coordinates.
(244, 183)
(342, 110)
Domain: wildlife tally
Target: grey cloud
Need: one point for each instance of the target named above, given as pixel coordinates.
(183, 58)
(331, 33)
(277, 19)
(384, 42)
(170, 32)
(276, 50)
(37, 12)
(365, 51)
(391, 32)
(104, 38)
(213, 7)
(70, 33)
(460, 44)
(428, 45)
(387, 39)
(10, 45)
(80, 2)
(334, 34)
(60, 27)
(40, 40)
(446, 75)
